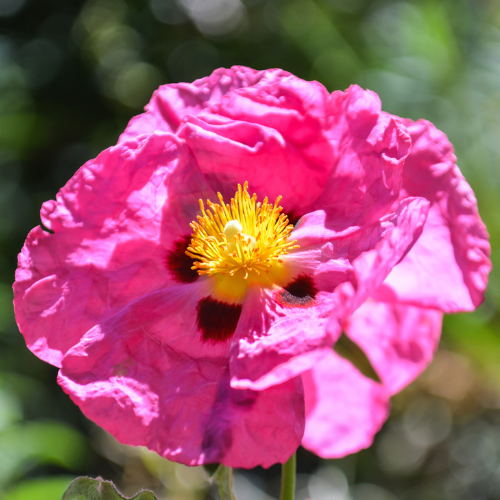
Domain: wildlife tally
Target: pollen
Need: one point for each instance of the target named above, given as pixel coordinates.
(244, 235)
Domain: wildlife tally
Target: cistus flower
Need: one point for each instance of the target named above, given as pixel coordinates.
(192, 281)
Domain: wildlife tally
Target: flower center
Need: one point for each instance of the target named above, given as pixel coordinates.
(244, 235)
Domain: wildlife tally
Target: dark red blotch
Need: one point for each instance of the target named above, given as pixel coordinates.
(301, 292)
(293, 217)
(217, 320)
(179, 264)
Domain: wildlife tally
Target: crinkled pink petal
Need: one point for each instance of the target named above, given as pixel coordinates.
(274, 342)
(373, 266)
(370, 150)
(297, 109)
(448, 267)
(113, 225)
(399, 340)
(231, 152)
(146, 377)
(344, 409)
(290, 137)
(170, 103)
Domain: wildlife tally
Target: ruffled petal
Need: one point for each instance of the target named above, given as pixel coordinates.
(448, 267)
(344, 409)
(231, 152)
(290, 137)
(399, 340)
(370, 150)
(273, 343)
(146, 376)
(172, 102)
(114, 227)
(281, 335)
(372, 266)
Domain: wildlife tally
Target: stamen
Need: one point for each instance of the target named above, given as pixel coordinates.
(243, 235)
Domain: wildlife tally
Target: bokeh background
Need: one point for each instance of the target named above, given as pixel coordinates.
(72, 73)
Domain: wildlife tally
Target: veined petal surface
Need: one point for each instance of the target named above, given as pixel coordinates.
(112, 228)
(145, 376)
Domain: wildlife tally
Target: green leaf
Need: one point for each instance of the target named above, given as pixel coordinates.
(346, 348)
(86, 488)
(224, 479)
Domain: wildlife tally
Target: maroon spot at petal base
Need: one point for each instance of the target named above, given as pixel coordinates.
(217, 320)
(179, 264)
(301, 292)
(293, 217)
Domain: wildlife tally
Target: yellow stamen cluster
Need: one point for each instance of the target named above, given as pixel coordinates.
(244, 235)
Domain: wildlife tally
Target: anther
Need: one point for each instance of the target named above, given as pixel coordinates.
(242, 235)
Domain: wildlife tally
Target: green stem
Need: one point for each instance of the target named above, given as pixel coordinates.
(224, 480)
(288, 479)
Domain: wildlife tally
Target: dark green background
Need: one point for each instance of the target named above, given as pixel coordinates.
(72, 74)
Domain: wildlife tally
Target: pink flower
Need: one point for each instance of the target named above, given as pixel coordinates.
(225, 354)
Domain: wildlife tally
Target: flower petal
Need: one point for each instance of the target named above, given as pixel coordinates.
(114, 227)
(399, 340)
(290, 137)
(370, 150)
(274, 342)
(373, 266)
(344, 409)
(170, 103)
(146, 376)
(231, 152)
(448, 267)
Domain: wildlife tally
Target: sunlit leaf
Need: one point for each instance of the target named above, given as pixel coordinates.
(86, 488)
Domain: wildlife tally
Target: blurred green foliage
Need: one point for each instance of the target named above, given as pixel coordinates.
(42, 488)
(73, 73)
